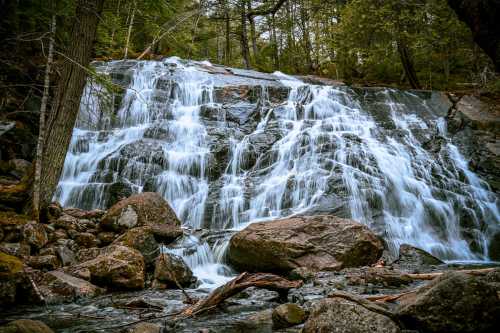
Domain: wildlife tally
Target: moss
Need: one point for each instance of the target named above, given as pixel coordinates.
(10, 218)
(9, 265)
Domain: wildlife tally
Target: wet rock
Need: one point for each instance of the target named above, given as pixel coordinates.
(172, 270)
(143, 240)
(118, 191)
(146, 208)
(287, 315)
(380, 276)
(44, 263)
(25, 326)
(166, 233)
(454, 302)
(65, 255)
(146, 328)
(106, 237)
(117, 267)
(87, 240)
(413, 259)
(301, 273)
(58, 287)
(340, 315)
(322, 242)
(494, 247)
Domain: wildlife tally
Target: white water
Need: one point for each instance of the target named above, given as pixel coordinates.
(329, 149)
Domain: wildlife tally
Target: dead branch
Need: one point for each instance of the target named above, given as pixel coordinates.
(431, 276)
(238, 284)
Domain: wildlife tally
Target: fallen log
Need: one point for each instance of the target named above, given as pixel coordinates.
(243, 281)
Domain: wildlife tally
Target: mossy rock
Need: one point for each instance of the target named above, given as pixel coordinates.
(9, 265)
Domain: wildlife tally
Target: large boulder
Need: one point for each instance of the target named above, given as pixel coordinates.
(146, 208)
(143, 240)
(25, 326)
(287, 315)
(321, 242)
(341, 315)
(171, 272)
(116, 267)
(11, 272)
(414, 259)
(58, 287)
(35, 235)
(454, 302)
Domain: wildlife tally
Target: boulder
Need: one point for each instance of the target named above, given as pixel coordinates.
(171, 270)
(85, 214)
(322, 242)
(454, 302)
(65, 255)
(58, 287)
(35, 235)
(54, 211)
(146, 328)
(166, 233)
(341, 315)
(86, 239)
(287, 315)
(106, 237)
(87, 254)
(143, 240)
(413, 259)
(146, 208)
(20, 250)
(117, 267)
(45, 263)
(67, 222)
(25, 326)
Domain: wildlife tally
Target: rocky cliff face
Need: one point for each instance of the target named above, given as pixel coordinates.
(228, 146)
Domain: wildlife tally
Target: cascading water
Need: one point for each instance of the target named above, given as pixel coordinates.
(321, 149)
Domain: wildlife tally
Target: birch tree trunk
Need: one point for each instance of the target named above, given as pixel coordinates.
(66, 102)
(129, 32)
(41, 130)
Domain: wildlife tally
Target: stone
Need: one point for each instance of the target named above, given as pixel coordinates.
(35, 235)
(25, 326)
(11, 272)
(141, 209)
(146, 328)
(19, 167)
(143, 240)
(54, 211)
(413, 259)
(322, 242)
(106, 237)
(171, 269)
(65, 255)
(45, 263)
(58, 287)
(166, 233)
(87, 254)
(453, 302)
(20, 250)
(67, 222)
(287, 315)
(116, 267)
(341, 315)
(87, 240)
(84, 214)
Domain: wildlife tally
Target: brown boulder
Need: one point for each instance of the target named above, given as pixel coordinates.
(453, 302)
(143, 240)
(171, 270)
(87, 240)
(58, 287)
(35, 235)
(287, 315)
(116, 267)
(414, 259)
(45, 263)
(25, 326)
(11, 273)
(141, 209)
(321, 242)
(341, 315)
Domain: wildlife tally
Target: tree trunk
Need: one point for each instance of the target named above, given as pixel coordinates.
(41, 130)
(252, 31)
(243, 37)
(129, 32)
(406, 61)
(227, 53)
(66, 102)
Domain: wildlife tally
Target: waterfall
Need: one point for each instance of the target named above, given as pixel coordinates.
(318, 149)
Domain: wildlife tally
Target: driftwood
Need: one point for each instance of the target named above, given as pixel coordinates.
(431, 276)
(238, 284)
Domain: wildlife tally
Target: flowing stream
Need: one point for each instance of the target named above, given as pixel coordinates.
(223, 162)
